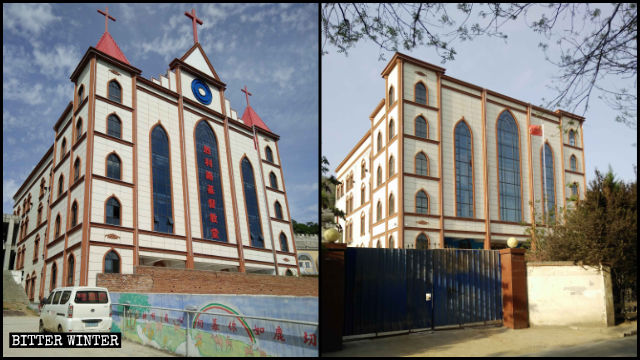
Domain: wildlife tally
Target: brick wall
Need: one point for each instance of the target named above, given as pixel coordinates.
(150, 279)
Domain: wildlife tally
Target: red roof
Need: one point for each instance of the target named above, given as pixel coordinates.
(108, 46)
(250, 118)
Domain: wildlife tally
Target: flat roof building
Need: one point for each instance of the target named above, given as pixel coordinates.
(447, 163)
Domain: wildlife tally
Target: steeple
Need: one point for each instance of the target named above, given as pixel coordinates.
(106, 44)
(250, 117)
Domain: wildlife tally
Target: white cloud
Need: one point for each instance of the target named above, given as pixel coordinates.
(9, 188)
(60, 61)
(32, 18)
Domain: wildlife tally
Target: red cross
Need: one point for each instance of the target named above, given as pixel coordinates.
(194, 20)
(246, 93)
(107, 17)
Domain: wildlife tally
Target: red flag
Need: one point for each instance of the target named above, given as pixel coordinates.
(535, 130)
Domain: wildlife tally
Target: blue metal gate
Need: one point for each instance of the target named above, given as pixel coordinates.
(388, 289)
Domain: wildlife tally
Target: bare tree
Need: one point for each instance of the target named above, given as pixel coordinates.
(596, 49)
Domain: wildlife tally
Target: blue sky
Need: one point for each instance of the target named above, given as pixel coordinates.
(273, 49)
(352, 87)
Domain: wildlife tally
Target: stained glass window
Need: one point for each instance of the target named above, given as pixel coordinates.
(210, 184)
(251, 204)
(162, 212)
(464, 170)
(509, 168)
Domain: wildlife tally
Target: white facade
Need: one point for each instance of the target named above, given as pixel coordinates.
(144, 104)
(448, 102)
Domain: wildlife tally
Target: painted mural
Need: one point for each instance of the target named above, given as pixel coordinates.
(227, 334)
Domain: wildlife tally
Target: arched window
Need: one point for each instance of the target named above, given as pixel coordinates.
(112, 263)
(362, 194)
(392, 205)
(269, 154)
(362, 224)
(114, 126)
(251, 204)
(78, 129)
(80, 94)
(39, 214)
(509, 168)
(42, 186)
(391, 96)
(210, 184)
(56, 228)
(391, 130)
(572, 138)
(363, 169)
(379, 141)
(32, 288)
(284, 245)
(391, 242)
(36, 245)
(379, 211)
(421, 93)
(70, 270)
(549, 183)
(60, 185)
(161, 181)
(273, 181)
(464, 170)
(422, 203)
(278, 209)
(54, 275)
(422, 242)
(63, 147)
(379, 175)
(422, 130)
(574, 189)
(76, 169)
(392, 166)
(115, 91)
(112, 211)
(574, 163)
(379, 244)
(114, 170)
(422, 165)
(74, 214)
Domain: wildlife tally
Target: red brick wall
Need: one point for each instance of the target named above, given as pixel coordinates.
(150, 279)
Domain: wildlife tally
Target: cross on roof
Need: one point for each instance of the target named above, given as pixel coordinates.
(107, 17)
(246, 93)
(194, 20)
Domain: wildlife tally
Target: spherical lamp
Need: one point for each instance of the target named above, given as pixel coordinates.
(331, 235)
(512, 242)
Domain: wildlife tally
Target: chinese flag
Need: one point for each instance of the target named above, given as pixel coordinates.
(535, 130)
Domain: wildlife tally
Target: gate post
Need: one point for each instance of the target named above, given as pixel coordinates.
(515, 312)
(332, 263)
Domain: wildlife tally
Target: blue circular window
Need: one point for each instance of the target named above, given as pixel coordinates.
(201, 91)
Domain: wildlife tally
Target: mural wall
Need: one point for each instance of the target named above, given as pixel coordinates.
(217, 335)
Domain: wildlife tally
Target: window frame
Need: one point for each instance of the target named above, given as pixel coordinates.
(518, 152)
(415, 93)
(106, 205)
(415, 126)
(104, 261)
(119, 101)
(457, 207)
(171, 220)
(416, 202)
(553, 178)
(106, 170)
(114, 116)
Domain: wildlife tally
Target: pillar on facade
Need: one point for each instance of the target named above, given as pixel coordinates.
(515, 311)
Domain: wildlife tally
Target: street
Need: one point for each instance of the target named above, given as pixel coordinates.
(624, 347)
(30, 324)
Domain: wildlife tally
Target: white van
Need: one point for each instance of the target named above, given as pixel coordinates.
(76, 309)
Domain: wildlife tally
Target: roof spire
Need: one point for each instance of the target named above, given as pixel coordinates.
(107, 17)
(194, 20)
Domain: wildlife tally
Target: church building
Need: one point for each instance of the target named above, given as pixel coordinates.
(449, 164)
(158, 172)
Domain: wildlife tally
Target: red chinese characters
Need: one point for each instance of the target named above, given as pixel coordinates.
(214, 233)
(279, 336)
(206, 149)
(232, 326)
(212, 203)
(310, 339)
(213, 218)
(257, 330)
(208, 162)
(209, 175)
(214, 325)
(210, 189)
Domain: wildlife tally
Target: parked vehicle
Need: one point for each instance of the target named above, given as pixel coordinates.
(76, 309)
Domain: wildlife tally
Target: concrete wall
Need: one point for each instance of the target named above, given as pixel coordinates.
(561, 293)
(210, 335)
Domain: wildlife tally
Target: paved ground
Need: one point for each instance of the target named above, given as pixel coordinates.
(621, 347)
(30, 324)
(485, 341)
